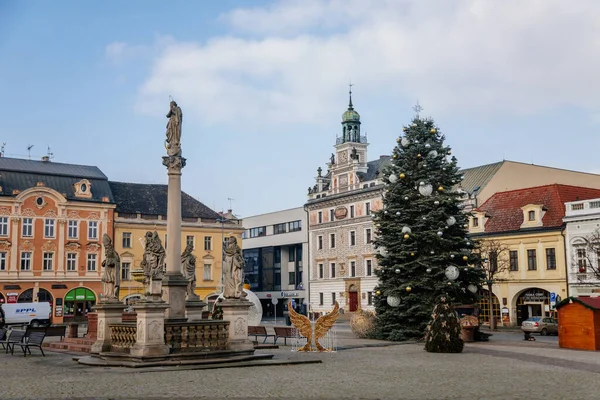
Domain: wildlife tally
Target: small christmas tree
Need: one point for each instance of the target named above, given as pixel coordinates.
(423, 248)
(443, 332)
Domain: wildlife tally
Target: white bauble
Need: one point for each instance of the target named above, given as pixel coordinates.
(404, 142)
(452, 272)
(255, 312)
(406, 229)
(393, 301)
(450, 221)
(425, 189)
(433, 154)
(472, 288)
(392, 178)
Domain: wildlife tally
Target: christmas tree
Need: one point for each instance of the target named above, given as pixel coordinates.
(443, 332)
(422, 243)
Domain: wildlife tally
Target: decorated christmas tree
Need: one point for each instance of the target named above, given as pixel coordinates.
(443, 332)
(422, 243)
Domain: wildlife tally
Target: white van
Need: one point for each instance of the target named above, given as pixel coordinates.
(34, 314)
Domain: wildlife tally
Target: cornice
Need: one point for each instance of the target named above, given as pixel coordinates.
(343, 198)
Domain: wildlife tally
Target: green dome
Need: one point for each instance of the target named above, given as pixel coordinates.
(350, 115)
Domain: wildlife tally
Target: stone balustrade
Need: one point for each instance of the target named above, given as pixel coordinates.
(122, 336)
(198, 335)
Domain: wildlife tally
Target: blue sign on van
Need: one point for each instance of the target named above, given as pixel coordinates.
(24, 310)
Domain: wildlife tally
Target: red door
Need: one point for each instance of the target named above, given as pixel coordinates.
(353, 301)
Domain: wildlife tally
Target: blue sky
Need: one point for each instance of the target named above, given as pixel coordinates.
(263, 84)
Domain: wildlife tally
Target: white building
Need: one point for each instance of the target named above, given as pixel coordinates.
(582, 219)
(275, 245)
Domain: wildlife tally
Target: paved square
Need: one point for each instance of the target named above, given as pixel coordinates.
(403, 371)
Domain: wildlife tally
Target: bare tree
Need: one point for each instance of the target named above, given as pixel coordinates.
(495, 257)
(586, 258)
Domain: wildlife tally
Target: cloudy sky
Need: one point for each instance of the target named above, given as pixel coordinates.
(263, 84)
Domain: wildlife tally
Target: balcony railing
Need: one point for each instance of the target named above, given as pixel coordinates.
(339, 140)
(583, 277)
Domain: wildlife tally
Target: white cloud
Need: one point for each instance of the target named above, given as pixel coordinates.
(490, 57)
(115, 50)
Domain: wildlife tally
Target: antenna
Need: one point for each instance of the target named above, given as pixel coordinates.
(2, 149)
(230, 200)
(29, 150)
(49, 154)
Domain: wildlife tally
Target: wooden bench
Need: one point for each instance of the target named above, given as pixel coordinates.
(261, 331)
(60, 330)
(34, 339)
(283, 332)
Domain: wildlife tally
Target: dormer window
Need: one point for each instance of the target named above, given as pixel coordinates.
(83, 189)
(531, 215)
(475, 222)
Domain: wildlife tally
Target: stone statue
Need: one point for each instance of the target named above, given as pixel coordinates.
(309, 190)
(188, 266)
(111, 267)
(319, 171)
(332, 158)
(153, 260)
(354, 154)
(233, 266)
(174, 130)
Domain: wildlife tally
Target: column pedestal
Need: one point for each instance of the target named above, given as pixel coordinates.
(236, 312)
(109, 312)
(150, 339)
(194, 309)
(174, 287)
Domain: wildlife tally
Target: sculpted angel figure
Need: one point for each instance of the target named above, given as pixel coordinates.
(153, 261)
(188, 266)
(174, 129)
(322, 326)
(111, 270)
(233, 266)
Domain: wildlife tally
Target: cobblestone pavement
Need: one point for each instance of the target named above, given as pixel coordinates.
(405, 371)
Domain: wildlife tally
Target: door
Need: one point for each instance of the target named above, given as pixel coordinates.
(524, 313)
(353, 301)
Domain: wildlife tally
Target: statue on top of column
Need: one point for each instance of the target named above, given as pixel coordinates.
(233, 265)
(111, 270)
(173, 142)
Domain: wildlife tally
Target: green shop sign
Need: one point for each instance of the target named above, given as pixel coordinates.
(80, 294)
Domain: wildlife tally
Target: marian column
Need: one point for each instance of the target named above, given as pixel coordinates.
(174, 283)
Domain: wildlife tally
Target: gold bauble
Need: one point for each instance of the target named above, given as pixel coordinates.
(378, 293)
(412, 254)
(402, 176)
(440, 188)
(433, 130)
(449, 152)
(394, 156)
(419, 155)
(465, 258)
(406, 236)
(398, 140)
(404, 129)
(408, 288)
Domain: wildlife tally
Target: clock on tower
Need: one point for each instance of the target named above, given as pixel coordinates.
(343, 156)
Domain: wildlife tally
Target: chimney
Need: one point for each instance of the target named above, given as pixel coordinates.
(229, 211)
(45, 158)
(382, 157)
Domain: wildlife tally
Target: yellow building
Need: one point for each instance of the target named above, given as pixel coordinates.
(142, 208)
(525, 229)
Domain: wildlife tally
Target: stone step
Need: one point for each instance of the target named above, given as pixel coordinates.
(79, 340)
(80, 348)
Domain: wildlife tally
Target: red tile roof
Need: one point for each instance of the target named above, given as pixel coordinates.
(504, 208)
(593, 302)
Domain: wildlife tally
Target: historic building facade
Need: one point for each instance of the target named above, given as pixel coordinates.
(52, 219)
(527, 228)
(275, 248)
(340, 206)
(143, 207)
(582, 220)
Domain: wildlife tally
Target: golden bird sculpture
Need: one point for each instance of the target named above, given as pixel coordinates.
(322, 326)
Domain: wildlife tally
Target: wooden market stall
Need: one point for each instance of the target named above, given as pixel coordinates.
(579, 323)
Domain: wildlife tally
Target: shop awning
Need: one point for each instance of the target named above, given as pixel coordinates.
(80, 294)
